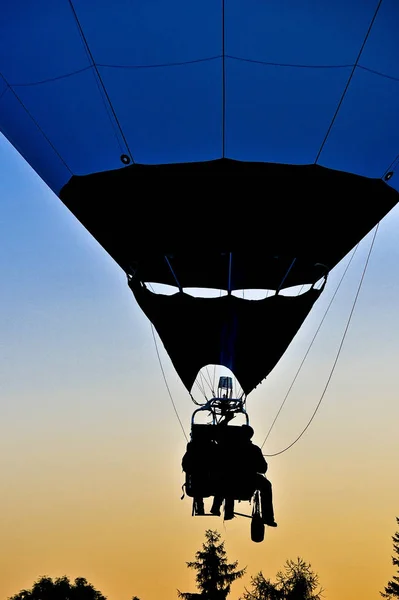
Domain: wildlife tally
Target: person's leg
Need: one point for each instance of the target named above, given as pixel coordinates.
(228, 508)
(266, 500)
(216, 504)
(199, 505)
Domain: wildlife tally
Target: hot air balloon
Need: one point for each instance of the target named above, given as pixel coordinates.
(227, 145)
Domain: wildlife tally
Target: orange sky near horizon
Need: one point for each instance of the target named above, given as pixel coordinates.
(90, 446)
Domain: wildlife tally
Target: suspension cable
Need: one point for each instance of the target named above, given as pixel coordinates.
(338, 352)
(164, 377)
(286, 275)
(202, 382)
(166, 383)
(309, 348)
(173, 273)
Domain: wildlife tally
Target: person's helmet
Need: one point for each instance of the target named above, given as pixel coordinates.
(248, 431)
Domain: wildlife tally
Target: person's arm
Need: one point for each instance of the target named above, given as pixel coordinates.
(261, 464)
(187, 460)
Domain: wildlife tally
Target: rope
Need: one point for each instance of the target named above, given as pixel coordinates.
(286, 275)
(310, 346)
(173, 273)
(101, 87)
(165, 380)
(166, 383)
(348, 82)
(338, 353)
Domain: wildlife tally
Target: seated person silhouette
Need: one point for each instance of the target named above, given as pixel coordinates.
(242, 470)
(198, 463)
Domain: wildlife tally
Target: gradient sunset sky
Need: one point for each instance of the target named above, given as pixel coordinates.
(91, 447)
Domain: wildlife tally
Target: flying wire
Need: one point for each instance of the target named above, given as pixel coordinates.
(337, 355)
(116, 125)
(166, 383)
(309, 348)
(165, 380)
(201, 382)
(348, 83)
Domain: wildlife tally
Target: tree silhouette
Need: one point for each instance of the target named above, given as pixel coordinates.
(296, 582)
(60, 588)
(262, 589)
(392, 589)
(214, 574)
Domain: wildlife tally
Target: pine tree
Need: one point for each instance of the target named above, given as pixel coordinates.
(296, 582)
(214, 574)
(392, 589)
(262, 589)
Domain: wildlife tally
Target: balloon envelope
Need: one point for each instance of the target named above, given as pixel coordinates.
(235, 144)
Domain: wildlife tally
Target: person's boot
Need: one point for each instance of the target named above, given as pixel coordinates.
(269, 520)
(267, 514)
